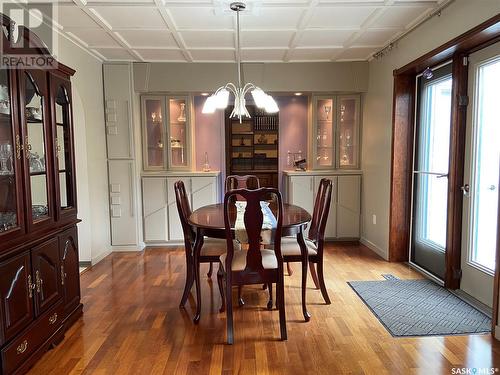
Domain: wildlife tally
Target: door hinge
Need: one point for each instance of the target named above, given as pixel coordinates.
(463, 100)
(465, 61)
(457, 274)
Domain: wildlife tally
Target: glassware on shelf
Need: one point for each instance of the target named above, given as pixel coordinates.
(182, 116)
(206, 165)
(37, 163)
(6, 163)
(8, 220)
(328, 109)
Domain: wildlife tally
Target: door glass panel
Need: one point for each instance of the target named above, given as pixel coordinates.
(484, 191)
(430, 175)
(35, 148)
(63, 150)
(178, 125)
(154, 132)
(325, 112)
(348, 132)
(8, 202)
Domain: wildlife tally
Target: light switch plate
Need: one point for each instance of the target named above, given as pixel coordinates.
(110, 103)
(116, 200)
(112, 130)
(116, 211)
(115, 188)
(111, 117)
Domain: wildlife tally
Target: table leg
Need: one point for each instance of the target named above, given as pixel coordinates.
(198, 243)
(305, 255)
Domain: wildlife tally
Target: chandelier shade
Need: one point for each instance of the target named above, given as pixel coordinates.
(220, 99)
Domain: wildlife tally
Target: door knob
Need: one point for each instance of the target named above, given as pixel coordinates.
(465, 189)
(492, 187)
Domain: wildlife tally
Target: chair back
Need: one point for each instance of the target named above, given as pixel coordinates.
(253, 219)
(184, 209)
(321, 211)
(234, 182)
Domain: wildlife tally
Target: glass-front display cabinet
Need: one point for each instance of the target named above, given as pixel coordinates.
(336, 123)
(62, 142)
(166, 132)
(11, 200)
(35, 124)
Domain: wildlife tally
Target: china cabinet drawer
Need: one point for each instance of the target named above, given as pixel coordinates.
(18, 352)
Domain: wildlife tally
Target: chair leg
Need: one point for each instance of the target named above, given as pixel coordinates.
(322, 283)
(189, 280)
(220, 282)
(240, 300)
(314, 274)
(289, 269)
(264, 286)
(210, 270)
(270, 302)
(280, 297)
(229, 311)
(196, 318)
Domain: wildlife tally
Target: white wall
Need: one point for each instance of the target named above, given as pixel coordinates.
(90, 151)
(456, 19)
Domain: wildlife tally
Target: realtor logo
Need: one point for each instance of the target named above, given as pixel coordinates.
(39, 18)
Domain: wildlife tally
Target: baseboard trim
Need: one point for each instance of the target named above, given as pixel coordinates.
(100, 257)
(377, 250)
(497, 333)
(124, 248)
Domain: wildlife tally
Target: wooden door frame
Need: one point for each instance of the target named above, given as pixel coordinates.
(456, 50)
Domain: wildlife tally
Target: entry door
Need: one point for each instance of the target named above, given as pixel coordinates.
(430, 172)
(481, 175)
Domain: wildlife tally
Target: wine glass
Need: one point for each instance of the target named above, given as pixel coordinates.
(328, 109)
(5, 155)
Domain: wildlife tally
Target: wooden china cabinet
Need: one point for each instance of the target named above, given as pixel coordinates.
(39, 273)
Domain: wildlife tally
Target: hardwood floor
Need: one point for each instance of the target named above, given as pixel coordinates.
(132, 325)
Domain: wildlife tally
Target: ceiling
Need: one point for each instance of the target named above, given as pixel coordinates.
(204, 30)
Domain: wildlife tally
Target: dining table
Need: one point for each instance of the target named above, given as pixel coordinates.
(208, 221)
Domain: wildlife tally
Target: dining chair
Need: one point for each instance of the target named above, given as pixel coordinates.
(211, 250)
(238, 182)
(315, 240)
(257, 265)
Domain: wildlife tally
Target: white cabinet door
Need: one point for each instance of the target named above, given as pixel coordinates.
(122, 202)
(348, 206)
(117, 89)
(174, 223)
(301, 192)
(154, 202)
(203, 191)
(331, 224)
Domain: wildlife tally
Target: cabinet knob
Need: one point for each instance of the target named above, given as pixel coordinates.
(63, 275)
(38, 281)
(18, 147)
(31, 286)
(22, 347)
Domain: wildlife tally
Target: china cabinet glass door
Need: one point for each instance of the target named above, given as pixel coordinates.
(178, 127)
(324, 125)
(35, 119)
(348, 131)
(153, 112)
(11, 210)
(62, 145)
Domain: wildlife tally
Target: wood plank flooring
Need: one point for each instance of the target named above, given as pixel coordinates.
(132, 325)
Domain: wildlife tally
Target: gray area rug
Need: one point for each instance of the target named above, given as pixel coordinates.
(419, 308)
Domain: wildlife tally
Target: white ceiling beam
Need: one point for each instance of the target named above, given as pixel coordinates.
(82, 5)
(167, 18)
(303, 23)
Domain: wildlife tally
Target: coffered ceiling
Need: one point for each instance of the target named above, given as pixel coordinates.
(204, 30)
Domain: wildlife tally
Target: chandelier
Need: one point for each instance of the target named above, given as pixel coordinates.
(220, 99)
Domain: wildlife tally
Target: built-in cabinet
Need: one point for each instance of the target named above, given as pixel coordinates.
(160, 215)
(166, 132)
(39, 274)
(336, 131)
(345, 209)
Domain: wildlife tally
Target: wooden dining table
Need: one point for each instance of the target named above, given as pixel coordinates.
(209, 221)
